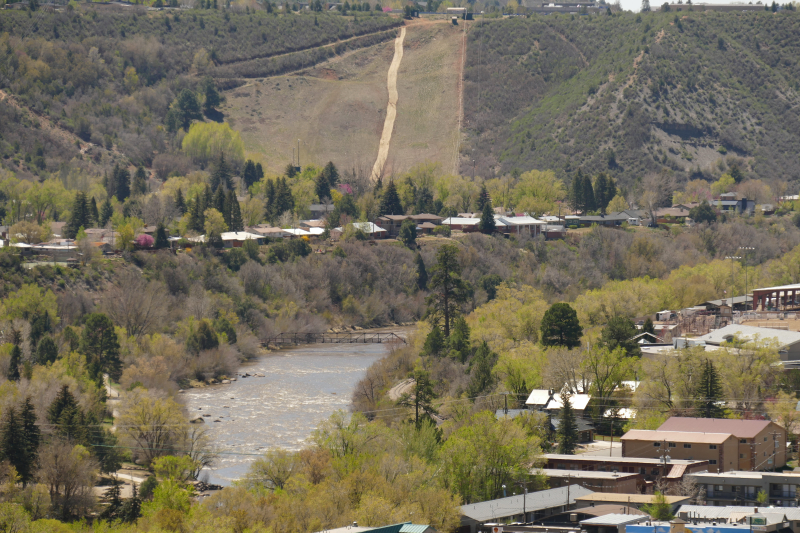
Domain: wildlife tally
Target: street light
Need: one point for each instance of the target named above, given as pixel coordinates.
(504, 491)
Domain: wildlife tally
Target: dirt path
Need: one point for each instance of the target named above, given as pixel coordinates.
(391, 109)
(457, 147)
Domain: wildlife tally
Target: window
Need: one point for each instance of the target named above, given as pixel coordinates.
(687, 445)
(742, 441)
(655, 472)
(712, 461)
(741, 456)
(765, 439)
(712, 446)
(672, 444)
(718, 488)
(656, 444)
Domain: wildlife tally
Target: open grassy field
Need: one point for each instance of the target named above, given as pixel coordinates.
(337, 109)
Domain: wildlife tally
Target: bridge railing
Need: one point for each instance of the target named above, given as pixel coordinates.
(334, 338)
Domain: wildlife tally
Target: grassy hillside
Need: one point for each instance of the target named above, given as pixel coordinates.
(109, 78)
(664, 92)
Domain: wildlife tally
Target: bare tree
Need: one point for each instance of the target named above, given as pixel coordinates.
(151, 424)
(199, 446)
(274, 469)
(135, 304)
(69, 473)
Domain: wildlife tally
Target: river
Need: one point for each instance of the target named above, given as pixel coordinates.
(302, 386)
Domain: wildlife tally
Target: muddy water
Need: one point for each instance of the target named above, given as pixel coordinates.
(301, 387)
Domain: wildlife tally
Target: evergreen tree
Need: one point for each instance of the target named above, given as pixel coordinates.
(322, 188)
(648, 326)
(259, 172)
(188, 109)
(180, 203)
(237, 224)
(483, 198)
(132, 507)
(601, 192)
(284, 201)
(106, 212)
(47, 351)
(589, 203)
(434, 342)
(620, 332)
(123, 182)
(161, 238)
(709, 392)
(459, 340)
(14, 363)
(113, 502)
(448, 290)
(218, 202)
(12, 443)
(31, 436)
(487, 225)
(139, 184)
(110, 182)
(197, 218)
(270, 194)
(567, 432)
(422, 274)
(560, 326)
(79, 218)
(390, 201)
(576, 192)
(422, 395)
(64, 400)
(100, 345)
(249, 175)
(645, 6)
(94, 214)
(221, 176)
(203, 338)
(408, 233)
(290, 171)
(331, 175)
(227, 207)
(212, 98)
(481, 378)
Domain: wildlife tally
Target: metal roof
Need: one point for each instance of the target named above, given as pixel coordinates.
(578, 402)
(538, 397)
(736, 300)
(414, 528)
(676, 436)
(636, 499)
(796, 286)
(735, 511)
(743, 429)
(782, 337)
(512, 413)
(582, 474)
(612, 460)
(614, 519)
(513, 505)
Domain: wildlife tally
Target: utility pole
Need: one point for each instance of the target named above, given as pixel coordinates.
(744, 255)
(732, 257)
(568, 481)
(611, 444)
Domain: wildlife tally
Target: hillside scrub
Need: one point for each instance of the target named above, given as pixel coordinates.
(634, 94)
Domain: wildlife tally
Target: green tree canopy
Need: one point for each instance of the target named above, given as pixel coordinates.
(448, 290)
(100, 345)
(619, 332)
(390, 201)
(567, 432)
(560, 326)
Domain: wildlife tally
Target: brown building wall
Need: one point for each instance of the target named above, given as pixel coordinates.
(627, 485)
(722, 457)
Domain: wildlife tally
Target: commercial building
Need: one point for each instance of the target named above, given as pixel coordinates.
(719, 449)
(761, 443)
(742, 488)
(626, 500)
(596, 481)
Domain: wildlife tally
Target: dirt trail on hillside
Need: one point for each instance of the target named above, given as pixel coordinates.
(391, 109)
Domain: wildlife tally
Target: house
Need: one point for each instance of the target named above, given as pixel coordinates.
(266, 230)
(728, 202)
(617, 482)
(585, 428)
(761, 443)
(370, 230)
(391, 223)
(524, 225)
(538, 399)
(670, 215)
(427, 217)
(788, 341)
(612, 219)
(235, 239)
(646, 337)
(550, 400)
(716, 7)
(649, 469)
(522, 508)
(719, 449)
(630, 500)
(320, 210)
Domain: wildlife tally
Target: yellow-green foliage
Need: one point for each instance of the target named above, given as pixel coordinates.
(206, 140)
(29, 301)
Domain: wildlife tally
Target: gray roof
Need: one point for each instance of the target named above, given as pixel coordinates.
(614, 519)
(513, 505)
(581, 423)
(711, 512)
(783, 337)
(600, 218)
(512, 413)
(736, 300)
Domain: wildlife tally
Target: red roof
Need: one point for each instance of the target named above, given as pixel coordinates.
(743, 429)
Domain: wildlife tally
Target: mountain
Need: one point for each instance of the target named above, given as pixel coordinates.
(658, 93)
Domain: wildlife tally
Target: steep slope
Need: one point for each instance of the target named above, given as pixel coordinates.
(665, 92)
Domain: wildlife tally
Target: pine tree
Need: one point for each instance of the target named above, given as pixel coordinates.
(567, 432)
(249, 176)
(47, 351)
(322, 188)
(483, 198)
(212, 98)
(196, 217)
(422, 274)
(331, 175)
(601, 192)
(290, 171)
(106, 212)
(709, 392)
(589, 203)
(221, 176)
(284, 201)
(434, 342)
(110, 182)
(94, 214)
(259, 172)
(448, 289)
(649, 327)
(161, 238)
(12, 443)
(422, 395)
(79, 218)
(227, 211)
(218, 202)
(481, 377)
(560, 326)
(237, 224)
(459, 340)
(180, 203)
(31, 436)
(487, 225)
(123, 181)
(139, 184)
(14, 363)
(269, 193)
(100, 345)
(390, 201)
(576, 192)
(645, 6)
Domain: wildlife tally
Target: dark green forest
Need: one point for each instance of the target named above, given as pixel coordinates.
(635, 94)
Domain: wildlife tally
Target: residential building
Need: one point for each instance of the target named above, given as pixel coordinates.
(550, 400)
(370, 230)
(521, 225)
(235, 239)
(573, 516)
(788, 341)
(719, 449)
(265, 230)
(521, 508)
(320, 210)
(585, 428)
(619, 483)
(630, 500)
(786, 519)
(670, 215)
(649, 469)
(761, 443)
(742, 488)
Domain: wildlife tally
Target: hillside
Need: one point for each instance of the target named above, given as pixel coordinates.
(635, 95)
(108, 78)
